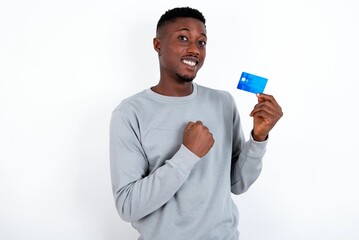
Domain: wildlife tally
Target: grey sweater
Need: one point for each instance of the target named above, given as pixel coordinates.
(165, 190)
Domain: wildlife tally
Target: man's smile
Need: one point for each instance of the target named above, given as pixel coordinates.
(190, 61)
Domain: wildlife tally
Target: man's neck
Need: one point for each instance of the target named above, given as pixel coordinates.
(174, 90)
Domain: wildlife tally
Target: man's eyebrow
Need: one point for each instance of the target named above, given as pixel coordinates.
(187, 29)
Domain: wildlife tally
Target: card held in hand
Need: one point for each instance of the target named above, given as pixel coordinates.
(252, 83)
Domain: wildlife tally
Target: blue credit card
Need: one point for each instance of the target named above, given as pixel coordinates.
(252, 83)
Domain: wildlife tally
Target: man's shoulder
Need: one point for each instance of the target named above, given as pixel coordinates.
(213, 92)
(131, 101)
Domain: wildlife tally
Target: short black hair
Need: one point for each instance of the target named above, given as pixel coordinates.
(171, 15)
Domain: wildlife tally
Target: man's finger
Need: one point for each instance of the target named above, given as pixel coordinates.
(199, 122)
(267, 97)
(189, 125)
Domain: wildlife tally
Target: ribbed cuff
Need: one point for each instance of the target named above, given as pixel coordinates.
(184, 159)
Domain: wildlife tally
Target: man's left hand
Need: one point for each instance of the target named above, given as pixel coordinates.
(266, 114)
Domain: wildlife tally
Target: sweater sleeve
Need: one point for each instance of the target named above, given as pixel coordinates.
(246, 157)
(137, 192)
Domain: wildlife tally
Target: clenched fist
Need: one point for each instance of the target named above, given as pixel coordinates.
(197, 138)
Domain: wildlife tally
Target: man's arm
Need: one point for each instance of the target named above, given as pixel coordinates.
(136, 192)
(246, 164)
(247, 156)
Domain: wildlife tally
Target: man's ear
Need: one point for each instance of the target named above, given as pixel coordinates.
(157, 45)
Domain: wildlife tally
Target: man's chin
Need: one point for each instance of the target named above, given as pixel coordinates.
(185, 78)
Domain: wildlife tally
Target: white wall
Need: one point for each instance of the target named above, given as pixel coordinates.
(65, 65)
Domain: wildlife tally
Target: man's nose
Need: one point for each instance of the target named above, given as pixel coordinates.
(193, 48)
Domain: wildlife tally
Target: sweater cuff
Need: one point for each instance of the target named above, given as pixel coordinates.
(257, 148)
(184, 159)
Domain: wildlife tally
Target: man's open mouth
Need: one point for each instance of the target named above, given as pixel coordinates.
(190, 62)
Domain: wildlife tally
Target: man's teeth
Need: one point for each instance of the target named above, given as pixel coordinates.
(191, 63)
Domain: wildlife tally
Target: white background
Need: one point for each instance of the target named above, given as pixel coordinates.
(65, 65)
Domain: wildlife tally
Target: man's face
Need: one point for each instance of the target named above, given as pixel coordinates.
(182, 48)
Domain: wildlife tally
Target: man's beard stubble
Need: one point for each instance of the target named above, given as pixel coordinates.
(184, 78)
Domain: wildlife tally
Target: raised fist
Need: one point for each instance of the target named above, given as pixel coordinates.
(197, 138)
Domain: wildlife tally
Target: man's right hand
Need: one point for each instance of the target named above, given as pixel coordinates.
(197, 138)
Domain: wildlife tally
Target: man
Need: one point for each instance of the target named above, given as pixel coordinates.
(178, 150)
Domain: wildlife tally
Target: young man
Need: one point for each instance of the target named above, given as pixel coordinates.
(178, 150)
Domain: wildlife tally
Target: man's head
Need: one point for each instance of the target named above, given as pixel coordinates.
(181, 43)
(181, 12)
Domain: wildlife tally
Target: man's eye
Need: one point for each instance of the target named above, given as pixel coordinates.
(202, 43)
(182, 38)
